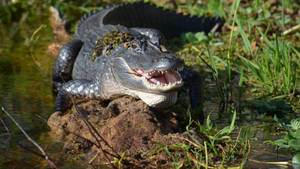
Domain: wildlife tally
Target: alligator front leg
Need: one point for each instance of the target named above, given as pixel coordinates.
(194, 83)
(63, 66)
(74, 90)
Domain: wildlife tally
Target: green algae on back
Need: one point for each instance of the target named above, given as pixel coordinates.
(105, 44)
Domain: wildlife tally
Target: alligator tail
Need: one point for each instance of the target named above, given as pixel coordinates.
(171, 24)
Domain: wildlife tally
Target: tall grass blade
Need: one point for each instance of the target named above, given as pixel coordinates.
(246, 41)
(236, 5)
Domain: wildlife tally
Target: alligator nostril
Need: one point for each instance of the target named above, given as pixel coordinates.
(155, 60)
(167, 63)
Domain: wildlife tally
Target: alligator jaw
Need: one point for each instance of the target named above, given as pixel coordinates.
(160, 79)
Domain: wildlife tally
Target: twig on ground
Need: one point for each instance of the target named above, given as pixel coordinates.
(6, 128)
(82, 137)
(77, 135)
(190, 142)
(291, 30)
(50, 162)
(20, 145)
(95, 156)
(92, 131)
(285, 163)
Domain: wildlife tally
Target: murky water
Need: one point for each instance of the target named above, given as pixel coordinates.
(25, 86)
(26, 91)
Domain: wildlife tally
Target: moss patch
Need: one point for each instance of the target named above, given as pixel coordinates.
(105, 44)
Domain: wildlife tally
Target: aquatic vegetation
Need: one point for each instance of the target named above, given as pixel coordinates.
(291, 140)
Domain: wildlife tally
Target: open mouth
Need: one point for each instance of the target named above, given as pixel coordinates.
(161, 78)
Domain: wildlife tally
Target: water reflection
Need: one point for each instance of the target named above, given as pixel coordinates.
(25, 86)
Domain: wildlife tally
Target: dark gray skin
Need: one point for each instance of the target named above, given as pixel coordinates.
(146, 70)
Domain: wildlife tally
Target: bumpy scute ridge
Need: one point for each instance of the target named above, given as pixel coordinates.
(92, 12)
(147, 15)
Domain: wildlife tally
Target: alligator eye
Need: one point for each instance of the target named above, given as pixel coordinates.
(134, 45)
(126, 45)
(143, 40)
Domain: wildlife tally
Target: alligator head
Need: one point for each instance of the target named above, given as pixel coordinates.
(146, 68)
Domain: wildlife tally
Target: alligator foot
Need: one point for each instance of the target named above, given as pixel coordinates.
(74, 90)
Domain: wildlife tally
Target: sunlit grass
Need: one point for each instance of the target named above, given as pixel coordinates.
(217, 148)
(272, 69)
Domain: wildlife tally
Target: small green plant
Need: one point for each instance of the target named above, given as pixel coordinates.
(212, 7)
(118, 161)
(291, 141)
(196, 38)
(213, 134)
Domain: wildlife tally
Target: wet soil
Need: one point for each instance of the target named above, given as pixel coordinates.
(125, 125)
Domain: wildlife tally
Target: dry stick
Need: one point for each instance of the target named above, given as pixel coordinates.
(50, 162)
(206, 155)
(71, 132)
(92, 133)
(75, 134)
(89, 126)
(20, 145)
(95, 156)
(6, 128)
(93, 128)
(292, 30)
(31, 151)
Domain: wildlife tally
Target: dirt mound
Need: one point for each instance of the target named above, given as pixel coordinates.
(126, 124)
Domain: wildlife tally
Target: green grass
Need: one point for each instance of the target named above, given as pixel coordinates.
(266, 60)
(258, 50)
(218, 147)
(272, 70)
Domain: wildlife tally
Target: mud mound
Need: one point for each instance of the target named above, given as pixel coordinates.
(126, 124)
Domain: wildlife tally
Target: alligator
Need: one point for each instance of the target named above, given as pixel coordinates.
(119, 50)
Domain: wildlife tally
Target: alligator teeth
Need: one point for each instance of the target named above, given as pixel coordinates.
(161, 79)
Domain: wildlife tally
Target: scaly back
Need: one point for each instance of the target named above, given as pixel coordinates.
(144, 15)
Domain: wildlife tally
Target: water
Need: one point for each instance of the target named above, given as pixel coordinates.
(26, 90)
(25, 85)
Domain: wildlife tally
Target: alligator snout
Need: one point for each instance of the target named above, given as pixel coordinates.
(168, 62)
